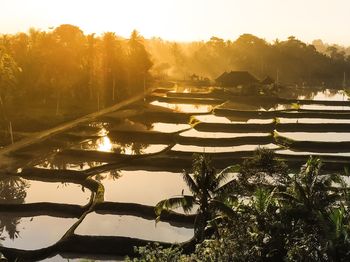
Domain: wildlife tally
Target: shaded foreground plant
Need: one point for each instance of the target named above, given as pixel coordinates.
(207, 192)
(302, 217)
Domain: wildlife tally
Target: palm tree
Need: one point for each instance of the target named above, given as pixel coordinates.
(208, 193)
(310, 191)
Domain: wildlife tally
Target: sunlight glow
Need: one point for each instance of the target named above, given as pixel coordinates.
(186, 20)
(104, 144)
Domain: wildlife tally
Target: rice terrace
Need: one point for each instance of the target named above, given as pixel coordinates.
(134, 148)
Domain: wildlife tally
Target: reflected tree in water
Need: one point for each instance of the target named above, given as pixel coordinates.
(12, 191)
(112, 175)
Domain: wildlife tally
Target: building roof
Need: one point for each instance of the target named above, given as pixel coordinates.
(236, 78)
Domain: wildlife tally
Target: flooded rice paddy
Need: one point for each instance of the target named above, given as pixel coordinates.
(99, 182)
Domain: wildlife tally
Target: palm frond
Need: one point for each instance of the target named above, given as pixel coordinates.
(227, 188)
(301, 192)
(186, 202)
(223, 208)
(263, 199)
(287, 196)
(190, 182)
(222, 176)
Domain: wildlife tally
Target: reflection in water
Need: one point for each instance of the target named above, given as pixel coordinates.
(223, 149)
(210, 118)
(322, 136)
(327, 94)
(202, 134)
(130, 226)
(12, 191)
(283, 120)
(191, 89)
(186, 108)
(8, 226)
(228, 120)
(19, 191)
(34, 232)
(307, 154)
(104, 144)
(110, 175)
(66, 164)
(324, 107)
(283, 107)
(143, 187)
(66, 193)
(103, 132)
(168, 128)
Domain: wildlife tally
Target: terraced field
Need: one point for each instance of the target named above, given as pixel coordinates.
(90, 191)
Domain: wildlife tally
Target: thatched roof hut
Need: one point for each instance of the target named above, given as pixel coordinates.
(236, 78)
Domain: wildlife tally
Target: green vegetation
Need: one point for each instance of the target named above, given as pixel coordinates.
(278, 216)
(50, 77)
(207, 192)
(289, 61)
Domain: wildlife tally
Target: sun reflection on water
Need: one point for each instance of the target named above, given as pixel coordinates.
(104, 144)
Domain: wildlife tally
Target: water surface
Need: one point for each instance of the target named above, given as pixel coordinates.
(105, 144)
(142, 187)
(222, 149)
(31, 233)
(130, 226)
(202, 134)
(185, 108)
(321, 136)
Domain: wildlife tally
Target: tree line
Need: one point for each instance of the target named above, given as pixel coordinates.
(64, 65)
(289, 61)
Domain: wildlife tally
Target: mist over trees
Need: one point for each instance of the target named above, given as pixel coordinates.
(66, 66)
(63, 68)
(292, 60)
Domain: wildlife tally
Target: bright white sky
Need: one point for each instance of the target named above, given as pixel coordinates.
(186, 20)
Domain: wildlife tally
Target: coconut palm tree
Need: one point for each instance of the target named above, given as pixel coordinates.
(310, 190)
(208, 193)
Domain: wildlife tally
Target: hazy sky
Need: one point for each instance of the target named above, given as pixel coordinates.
(186, 20)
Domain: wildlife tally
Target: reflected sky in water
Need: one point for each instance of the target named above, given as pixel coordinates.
(131, 226)
(30, 191)
(305, 153)
(328, 94)
(202, 134)
(105, 144)
(185, 108)
(283, 120)
(324, 107)
(168, 128)
(143, 187)
(322, 136)
(227, 120)
(66, 164)
(66, 193)
(32, 232)
(223, 149)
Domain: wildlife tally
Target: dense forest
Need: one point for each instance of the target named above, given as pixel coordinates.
(49, 77)
(65, 63)
(70, 73)
(292, 61)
